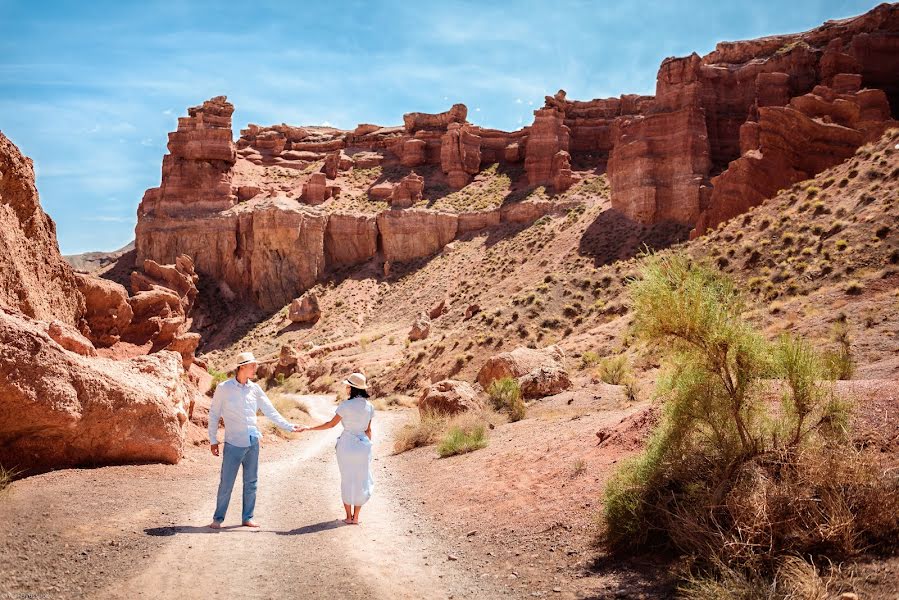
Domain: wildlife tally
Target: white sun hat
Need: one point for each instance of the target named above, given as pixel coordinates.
(244, 358)
(357, 380)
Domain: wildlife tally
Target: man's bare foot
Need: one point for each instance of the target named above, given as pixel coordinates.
(250, 523)
(214, 525)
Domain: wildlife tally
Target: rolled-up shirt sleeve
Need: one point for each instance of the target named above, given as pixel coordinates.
(269, 410)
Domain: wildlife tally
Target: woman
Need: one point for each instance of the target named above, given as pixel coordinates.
(353, 446)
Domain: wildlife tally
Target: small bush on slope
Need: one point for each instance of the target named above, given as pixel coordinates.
(725, 477)
(505, 395)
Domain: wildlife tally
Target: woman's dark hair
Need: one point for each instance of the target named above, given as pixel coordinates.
(354, 392)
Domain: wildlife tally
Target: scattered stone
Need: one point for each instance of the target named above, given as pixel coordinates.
(305, 309)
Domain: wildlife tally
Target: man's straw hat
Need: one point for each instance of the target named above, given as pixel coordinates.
(357, 380)
(244, 358)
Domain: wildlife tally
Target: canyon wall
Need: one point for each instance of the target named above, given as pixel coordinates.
(722, 133)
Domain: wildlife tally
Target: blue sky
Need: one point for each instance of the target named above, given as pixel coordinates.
(89, 90)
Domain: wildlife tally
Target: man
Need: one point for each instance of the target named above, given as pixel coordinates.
(236, 401)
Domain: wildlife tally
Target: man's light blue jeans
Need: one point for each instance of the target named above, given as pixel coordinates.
(234, 457)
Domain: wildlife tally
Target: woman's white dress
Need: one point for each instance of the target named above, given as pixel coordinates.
(354, 451)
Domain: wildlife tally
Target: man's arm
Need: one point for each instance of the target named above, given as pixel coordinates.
(269, 410)
(215, 412)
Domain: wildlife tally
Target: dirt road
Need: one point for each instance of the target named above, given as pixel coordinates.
(302, 550)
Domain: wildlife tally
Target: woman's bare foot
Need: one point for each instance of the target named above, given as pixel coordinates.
(214, 525)
(354, 521)
(348, 521)
(250, 523)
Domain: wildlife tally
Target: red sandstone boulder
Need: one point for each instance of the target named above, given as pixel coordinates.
(539, 372)
(438, 309)
(59, 409)
(316, 189)
(544, 381)
(449, 397)
(305, 309)
(421, 328)
(180, 277)
(108, 313)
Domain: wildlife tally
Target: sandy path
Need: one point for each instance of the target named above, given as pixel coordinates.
(302, 548)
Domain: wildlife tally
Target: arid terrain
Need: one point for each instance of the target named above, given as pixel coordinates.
(439, 257)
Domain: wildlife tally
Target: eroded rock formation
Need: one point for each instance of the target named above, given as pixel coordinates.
(717, 138)
(60, 404)
(34, 278)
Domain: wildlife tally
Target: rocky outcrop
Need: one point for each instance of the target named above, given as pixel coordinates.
(421, 328)
(305, 309)
(712, 125)
(180, 277)
(34, 278)
(108, 313)
(796, 142)
(408, 191)
(548, 136)
(60, 409)
(539, 372)
(267, 254)
(196, 174)
(410, 234)
(350, 239)
(659, 164)
(416, 120)
(449, 397)
(460, 154)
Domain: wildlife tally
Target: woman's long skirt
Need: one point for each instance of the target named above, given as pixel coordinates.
(354, 460)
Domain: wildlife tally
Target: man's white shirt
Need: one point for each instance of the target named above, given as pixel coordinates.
(237, 404)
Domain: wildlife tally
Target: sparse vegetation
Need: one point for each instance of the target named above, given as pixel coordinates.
(505, 395)
(217, 378)
(6, 478)
(614, 370)
(724, 478)
(840, 362)
(461, 441)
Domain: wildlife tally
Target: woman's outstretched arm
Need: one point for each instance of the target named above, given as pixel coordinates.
(327, 425)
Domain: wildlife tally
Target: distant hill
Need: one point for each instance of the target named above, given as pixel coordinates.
(88, 262)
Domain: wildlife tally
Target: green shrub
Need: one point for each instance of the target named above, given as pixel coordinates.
(589, 359)
(614, 370)
(505, 395)
(217, 378)
(724, 477)
(459, 441)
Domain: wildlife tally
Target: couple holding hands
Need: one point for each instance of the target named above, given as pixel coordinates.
(236, 402)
